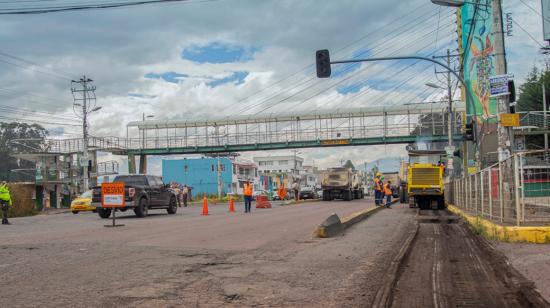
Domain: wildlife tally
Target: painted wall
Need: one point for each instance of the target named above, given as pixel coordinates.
(199, 173)
(478, 51)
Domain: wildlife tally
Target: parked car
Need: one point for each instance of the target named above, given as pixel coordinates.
(83, 203)
(307, 193)
(141, 193)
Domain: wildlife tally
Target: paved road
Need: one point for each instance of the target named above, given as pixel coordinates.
(267, 258)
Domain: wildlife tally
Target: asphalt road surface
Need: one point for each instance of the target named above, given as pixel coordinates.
(267, 258)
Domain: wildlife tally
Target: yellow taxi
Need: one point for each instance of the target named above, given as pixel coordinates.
(83, 203)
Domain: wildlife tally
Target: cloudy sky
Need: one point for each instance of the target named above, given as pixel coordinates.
(228, 57)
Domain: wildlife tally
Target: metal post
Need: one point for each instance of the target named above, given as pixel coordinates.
(490, 193)
(517, 192)
(482, 192)
(544, 108)
(500, 191)
(450, 94)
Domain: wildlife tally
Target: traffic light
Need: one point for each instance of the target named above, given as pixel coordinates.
(322, 60)
(512, 91)
(469, 131)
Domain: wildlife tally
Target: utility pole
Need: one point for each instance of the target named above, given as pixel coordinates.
(85, 101)
(544, 108)
(505, 137)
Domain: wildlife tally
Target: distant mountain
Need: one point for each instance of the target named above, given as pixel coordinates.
(388, 164)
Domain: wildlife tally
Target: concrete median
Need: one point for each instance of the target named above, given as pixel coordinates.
(333, 225)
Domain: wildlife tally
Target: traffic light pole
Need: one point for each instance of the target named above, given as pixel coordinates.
(467, 90)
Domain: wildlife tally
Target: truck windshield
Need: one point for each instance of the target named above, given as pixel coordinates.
(131, 180)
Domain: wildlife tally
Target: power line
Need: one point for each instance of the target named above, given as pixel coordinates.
(528, 34)
(105, 5)
(349, 66)
(374, 31)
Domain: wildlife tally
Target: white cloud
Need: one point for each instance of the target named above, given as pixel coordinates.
(118, 47)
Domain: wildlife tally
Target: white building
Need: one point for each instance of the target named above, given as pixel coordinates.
(280, 164)
(244, 171)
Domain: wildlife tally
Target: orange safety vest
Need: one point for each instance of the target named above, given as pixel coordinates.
(247, 190)
(387, 190)
(377, 181)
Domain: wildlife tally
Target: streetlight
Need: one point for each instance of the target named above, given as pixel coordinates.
(450, 122)
(143, 117)
(146, 116)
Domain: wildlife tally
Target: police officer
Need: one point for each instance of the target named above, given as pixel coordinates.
(5, 201)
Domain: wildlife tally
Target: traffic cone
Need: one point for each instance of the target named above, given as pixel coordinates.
(231, 205)
(204, 206)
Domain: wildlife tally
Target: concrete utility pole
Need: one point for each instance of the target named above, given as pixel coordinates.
(505, 136)
(84, 101)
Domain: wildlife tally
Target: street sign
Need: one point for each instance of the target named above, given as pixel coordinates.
(499, 85)
(112, 195)
(509, 119)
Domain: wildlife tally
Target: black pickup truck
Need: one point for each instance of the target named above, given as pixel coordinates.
(141, 193)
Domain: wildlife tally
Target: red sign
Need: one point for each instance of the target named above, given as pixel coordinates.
(112, 195)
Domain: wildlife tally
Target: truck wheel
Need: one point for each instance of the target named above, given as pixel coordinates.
(142, 209)
(172, 207)
(104, 213)
(75, 212)
(348, 195)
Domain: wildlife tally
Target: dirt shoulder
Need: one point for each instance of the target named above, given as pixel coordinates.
(532, 260)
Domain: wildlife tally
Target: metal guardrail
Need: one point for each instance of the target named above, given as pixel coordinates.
(515, 191)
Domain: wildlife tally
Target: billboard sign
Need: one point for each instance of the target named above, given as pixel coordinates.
(499, 85)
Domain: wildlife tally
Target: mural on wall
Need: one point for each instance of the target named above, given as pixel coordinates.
(478, 60)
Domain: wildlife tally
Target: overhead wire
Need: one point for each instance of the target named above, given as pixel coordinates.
(326, 88)
(343, 71)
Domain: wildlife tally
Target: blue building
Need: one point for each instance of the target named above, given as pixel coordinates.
(199, 173)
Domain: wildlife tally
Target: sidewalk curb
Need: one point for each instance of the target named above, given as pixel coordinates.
(537, 235)
(333, 225)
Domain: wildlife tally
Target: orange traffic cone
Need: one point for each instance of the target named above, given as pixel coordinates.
(204, 206)
(231, 205)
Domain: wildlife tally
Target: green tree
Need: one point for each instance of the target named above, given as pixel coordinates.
(349, 164)
(530, 99)
(10, 132)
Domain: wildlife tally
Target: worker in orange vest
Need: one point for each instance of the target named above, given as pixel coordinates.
(247, 196)
(378, 189)
(388, 193)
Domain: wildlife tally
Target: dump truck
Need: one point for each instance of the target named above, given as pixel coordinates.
(338, 184)
(425, 186)
(358, 180)
(403, 189)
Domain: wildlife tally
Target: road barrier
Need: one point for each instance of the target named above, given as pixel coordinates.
(515, 191)
(333, 225)
(205, 206)
(231, 205)
(262, 202)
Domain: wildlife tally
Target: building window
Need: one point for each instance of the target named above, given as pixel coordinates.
(186, 168)
(262, 163)
(283, 162)
(212, 168)
(235, 169)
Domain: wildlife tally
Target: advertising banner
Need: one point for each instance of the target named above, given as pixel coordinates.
(477, 46)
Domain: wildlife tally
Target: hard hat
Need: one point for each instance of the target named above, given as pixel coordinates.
(382, 177)
(378, 174)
